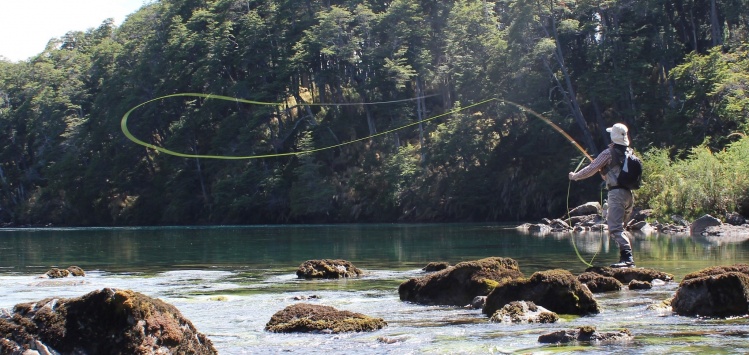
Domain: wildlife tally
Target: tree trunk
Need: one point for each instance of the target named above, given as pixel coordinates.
(200, 176)
(599, 119)
(420, 116)
(370, 120)
(715, 31)
(568, 89)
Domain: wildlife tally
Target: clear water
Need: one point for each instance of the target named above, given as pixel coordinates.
(230, 280)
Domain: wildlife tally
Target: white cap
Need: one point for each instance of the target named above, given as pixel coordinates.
(619, 134)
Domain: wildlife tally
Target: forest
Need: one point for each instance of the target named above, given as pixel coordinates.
(374, 111)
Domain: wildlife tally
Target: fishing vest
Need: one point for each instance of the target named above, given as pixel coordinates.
(614, 167)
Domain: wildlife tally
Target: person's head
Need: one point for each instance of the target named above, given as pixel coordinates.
(619, 134)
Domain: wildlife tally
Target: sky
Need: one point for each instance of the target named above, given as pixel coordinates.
(27, 25)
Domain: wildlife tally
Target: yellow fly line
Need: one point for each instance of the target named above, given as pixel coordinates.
(126, 131)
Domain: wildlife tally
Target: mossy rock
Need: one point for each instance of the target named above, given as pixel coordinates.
(626, 275)
(76, 271)
(309, 318)
(718, 270)
(557, 290)
(598, 283)
(587, 334)
(713, 292)
(327, 269)
(55, 273)
(108, 321)
(436, 266)
(639, 285)
(458, 285)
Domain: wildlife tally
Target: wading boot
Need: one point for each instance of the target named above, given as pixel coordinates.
(625, 259)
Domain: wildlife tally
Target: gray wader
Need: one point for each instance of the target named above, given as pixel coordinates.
(621, 204)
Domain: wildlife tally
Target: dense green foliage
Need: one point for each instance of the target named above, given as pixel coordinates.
(704, 182)
(674, 71)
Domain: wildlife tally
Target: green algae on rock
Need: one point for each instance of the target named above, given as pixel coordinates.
(458, 285)
(108, 321)
(327, 269)
(557, 290)
(719, 291)
(309, 318)
(599, 283)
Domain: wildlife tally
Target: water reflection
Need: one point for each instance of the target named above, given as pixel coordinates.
(382, 246)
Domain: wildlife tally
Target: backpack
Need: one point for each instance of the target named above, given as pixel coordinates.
(630, 176)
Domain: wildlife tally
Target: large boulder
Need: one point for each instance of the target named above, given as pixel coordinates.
(108, 321)
(736, 219)
(626, 275)
(327, 269)
(589, 208)
(310, 318)
(720, 291)
(557, 290)
(459, 284)
(701, 224)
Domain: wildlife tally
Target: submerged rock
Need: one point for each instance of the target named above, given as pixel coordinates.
(557, 290)
(719, 291)
(662, 308)
(327, 269)
(76, 271)
(639, 226)
(458, 285)
(585, 335)
(391, 340)
(598, 283)
(523, 312)
(436, 266)
(626, 275)
(109, 321)
(727, 233)
(304, 297)
(55, 273)
(477, 303)
(639, 285)
(538, 228)
(309, 318)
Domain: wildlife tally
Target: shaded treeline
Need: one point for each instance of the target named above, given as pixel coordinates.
(674, 71)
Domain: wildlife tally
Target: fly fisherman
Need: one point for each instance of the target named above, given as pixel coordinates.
(620, 199)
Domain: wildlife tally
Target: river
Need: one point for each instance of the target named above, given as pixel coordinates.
(230, 280)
